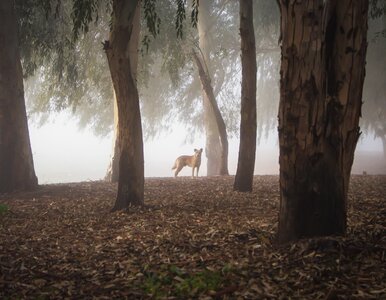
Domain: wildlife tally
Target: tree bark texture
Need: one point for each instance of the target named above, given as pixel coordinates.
(213, 143)
(221, 127)
(112, 174)
(247, 149)
(131, 161)
(16, 163)
(322, 72)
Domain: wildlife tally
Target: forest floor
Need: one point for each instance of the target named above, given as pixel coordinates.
(193, 239)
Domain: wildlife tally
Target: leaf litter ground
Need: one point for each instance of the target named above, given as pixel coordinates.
(195, 238)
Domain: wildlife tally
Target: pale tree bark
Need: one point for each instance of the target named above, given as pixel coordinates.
(131, 161)
(322, 73)
(383, 138)
(16, 163)
(247, 150)
(221, 127)
(213, 144)
(112, 174)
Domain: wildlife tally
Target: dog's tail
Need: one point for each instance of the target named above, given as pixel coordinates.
(175, 165)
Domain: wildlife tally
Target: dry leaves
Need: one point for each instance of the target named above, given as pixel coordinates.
(194, 239)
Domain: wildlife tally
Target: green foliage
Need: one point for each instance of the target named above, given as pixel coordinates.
(194, 13)
(181, 16)
(152, 20)
(377, 8)
(71, 70)
(83, 13)
(174, 281)
(75, 77)
(3, 209)
(41, 37)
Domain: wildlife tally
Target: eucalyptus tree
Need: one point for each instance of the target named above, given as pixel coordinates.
(16, 163)
(131, 160)
(132, 51)
(323, 46)
(247, 150)
(216, 149)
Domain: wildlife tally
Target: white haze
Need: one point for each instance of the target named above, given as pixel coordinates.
(64, 153)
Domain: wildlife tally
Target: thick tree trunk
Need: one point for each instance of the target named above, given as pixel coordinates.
(16, 163)
(247, 150)
(213, 143)
(221, 127)
(131, 164)
(112, 174)
(322, 72)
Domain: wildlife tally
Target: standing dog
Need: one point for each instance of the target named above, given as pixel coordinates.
(193, 161)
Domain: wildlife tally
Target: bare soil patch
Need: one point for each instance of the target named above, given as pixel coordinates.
(195, 238)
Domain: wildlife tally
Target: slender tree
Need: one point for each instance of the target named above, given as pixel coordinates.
(322, 71)
(131, 164)
(16, 163)
(214, 149)
(246, 162)
(208, 95)
(113, 170)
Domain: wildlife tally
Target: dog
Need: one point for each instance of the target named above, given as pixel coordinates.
(193, 161)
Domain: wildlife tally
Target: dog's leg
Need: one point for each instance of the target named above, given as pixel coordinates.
(179, 168)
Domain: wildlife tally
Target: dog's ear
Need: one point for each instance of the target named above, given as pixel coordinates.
(195, 150)
(200, 149)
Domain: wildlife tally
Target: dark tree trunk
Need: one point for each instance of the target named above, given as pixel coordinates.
(131, 163)
(221, 128)
(247, 150)
(322, 72)
(16, 163)
(112, 174)
(213, 144)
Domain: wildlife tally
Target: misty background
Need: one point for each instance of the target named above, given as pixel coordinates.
(64, 153)
(70, 102)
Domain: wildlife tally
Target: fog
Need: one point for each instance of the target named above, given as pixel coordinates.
(64, 153)
(171, 96)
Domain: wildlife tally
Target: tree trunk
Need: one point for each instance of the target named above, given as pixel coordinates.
(247, 150)
(213, 144)
(221, 128)
(383, 138)
(322, 72)
(131, 164)
(112, 174)
(16, 163)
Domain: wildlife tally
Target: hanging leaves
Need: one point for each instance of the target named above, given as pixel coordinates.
(181, 16)
(83, 13)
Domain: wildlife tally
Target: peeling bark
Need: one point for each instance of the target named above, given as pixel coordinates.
(247, 149)
(16, 163)
(322, 72)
